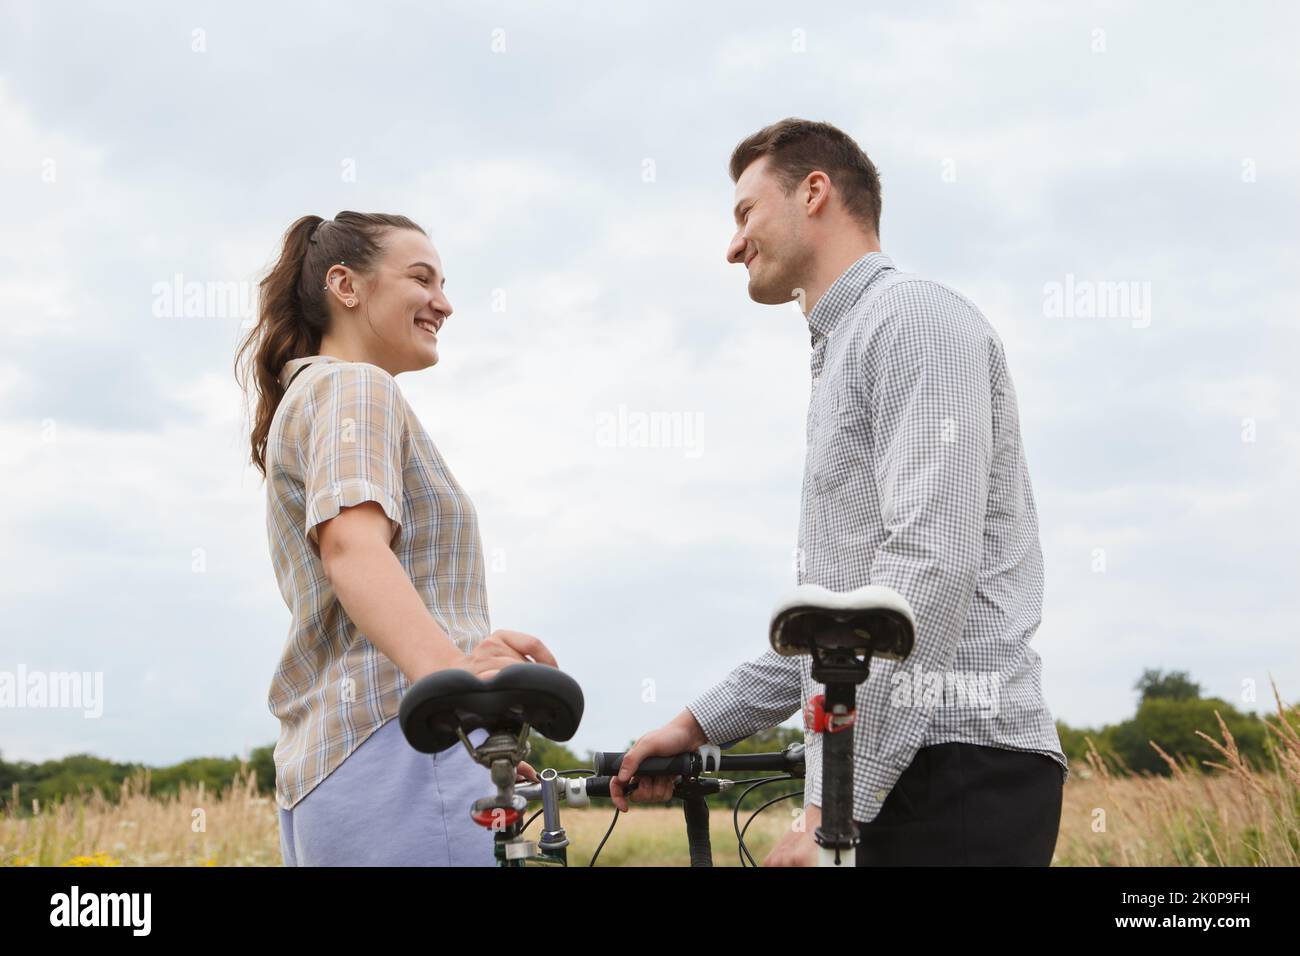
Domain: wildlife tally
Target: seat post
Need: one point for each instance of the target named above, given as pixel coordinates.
(837, 664)
(502, 813)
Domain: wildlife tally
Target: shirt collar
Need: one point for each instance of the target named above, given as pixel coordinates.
(292, 366)
(845, 291)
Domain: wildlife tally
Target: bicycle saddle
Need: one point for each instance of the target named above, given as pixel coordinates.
(875, 621)
(535, 694)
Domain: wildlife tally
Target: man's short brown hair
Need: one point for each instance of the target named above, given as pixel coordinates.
(796, 147)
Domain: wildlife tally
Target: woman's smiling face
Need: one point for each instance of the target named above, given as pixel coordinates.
(402, 305)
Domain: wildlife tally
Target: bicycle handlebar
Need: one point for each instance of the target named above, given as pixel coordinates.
(685, 765)
(577, 791)
(790, 760)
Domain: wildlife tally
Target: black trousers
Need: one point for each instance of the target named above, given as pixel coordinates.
(968, 805)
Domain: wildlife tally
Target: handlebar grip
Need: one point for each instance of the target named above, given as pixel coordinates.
(607, 764)
(597, 786)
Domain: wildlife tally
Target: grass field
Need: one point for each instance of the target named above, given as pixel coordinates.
(1229, 815)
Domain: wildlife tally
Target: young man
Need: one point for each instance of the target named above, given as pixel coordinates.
(915, 479)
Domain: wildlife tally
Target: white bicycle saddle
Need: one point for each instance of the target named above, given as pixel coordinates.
(872, 620)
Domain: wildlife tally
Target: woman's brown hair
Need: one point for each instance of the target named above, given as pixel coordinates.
(293, 312)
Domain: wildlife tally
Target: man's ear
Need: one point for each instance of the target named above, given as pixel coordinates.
(817, 192)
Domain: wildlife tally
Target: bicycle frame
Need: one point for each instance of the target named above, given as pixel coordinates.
(503, 813)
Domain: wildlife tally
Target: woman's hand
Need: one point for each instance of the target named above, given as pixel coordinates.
(503, 648)
(524, 773)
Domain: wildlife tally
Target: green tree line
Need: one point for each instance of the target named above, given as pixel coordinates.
(1170, 711)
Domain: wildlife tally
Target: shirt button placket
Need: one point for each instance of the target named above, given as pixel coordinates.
(809, 505)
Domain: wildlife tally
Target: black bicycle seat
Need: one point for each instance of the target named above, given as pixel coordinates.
(875, 621)
(435, 706)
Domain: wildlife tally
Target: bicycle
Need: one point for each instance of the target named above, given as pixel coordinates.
(842, 632)
(445, 707)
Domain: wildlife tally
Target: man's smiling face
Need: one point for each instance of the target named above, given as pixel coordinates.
(769, 238)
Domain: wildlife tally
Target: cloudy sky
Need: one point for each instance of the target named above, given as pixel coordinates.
(569, 161)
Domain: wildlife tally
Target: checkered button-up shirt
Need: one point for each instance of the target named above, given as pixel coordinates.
(344, 434)
(914, 479)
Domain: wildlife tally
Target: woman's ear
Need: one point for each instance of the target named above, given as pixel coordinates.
(339, 284)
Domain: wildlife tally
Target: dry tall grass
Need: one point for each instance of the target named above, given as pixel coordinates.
(193, 828)
(1232, 815)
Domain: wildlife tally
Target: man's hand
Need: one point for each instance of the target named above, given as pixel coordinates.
(683, 733)
(798, 848)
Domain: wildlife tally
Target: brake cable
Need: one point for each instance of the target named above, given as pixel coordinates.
(735, 812)
(612, 823)
(752, 816)
(753, 782)
(742, 847)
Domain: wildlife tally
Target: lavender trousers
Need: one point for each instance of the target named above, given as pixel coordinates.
(388, 804)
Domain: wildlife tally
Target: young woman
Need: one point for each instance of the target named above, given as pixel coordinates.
(376, 549)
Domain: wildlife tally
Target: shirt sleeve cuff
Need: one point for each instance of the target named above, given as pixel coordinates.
(344, 494)
(721, 715)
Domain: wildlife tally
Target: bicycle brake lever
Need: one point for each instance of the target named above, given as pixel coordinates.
(707, 752)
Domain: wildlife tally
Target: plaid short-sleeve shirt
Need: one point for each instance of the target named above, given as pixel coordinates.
(344, 434)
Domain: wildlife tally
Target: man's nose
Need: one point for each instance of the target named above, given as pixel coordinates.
(736, 251)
